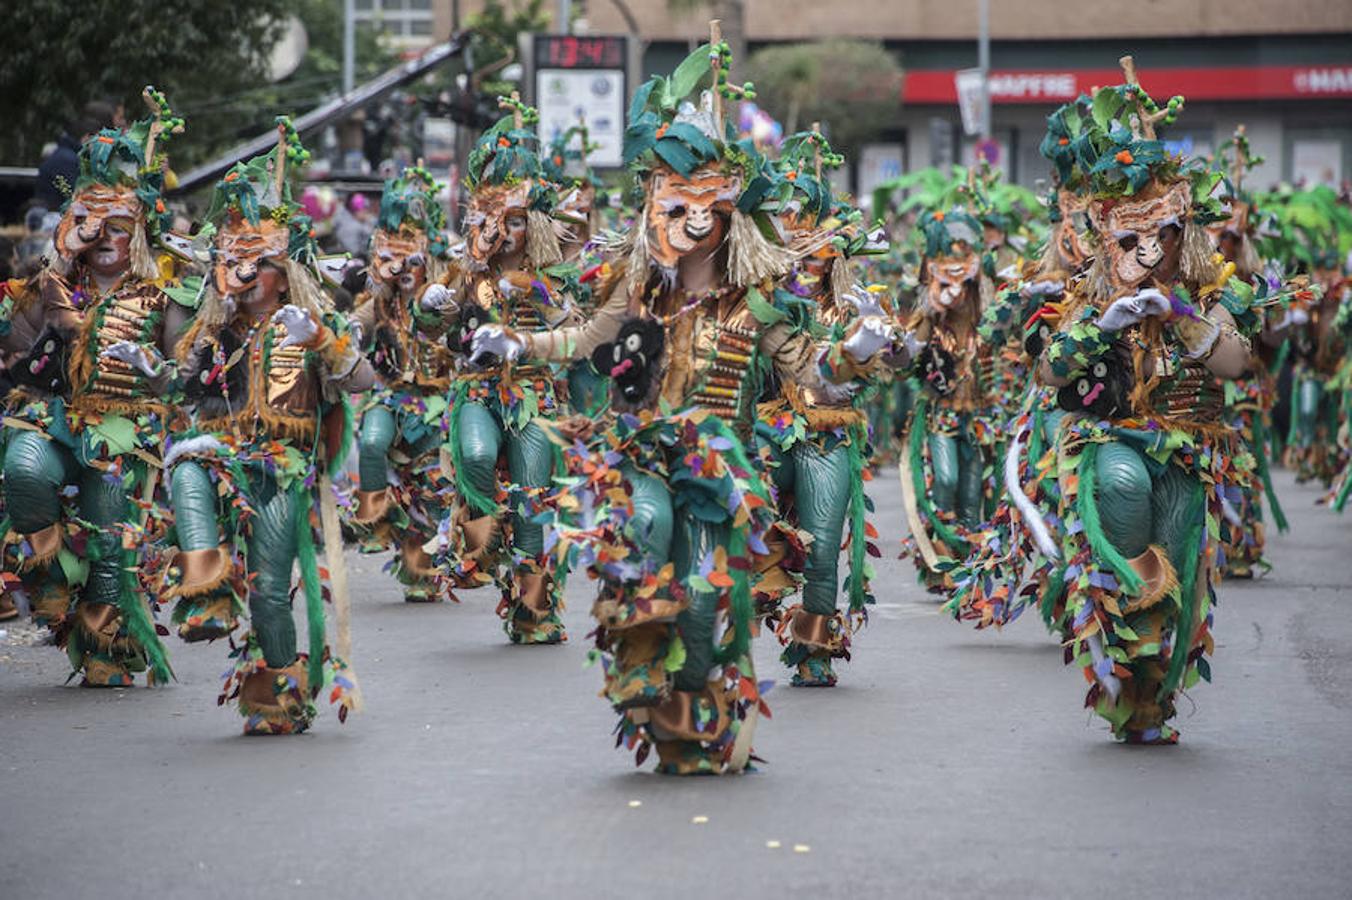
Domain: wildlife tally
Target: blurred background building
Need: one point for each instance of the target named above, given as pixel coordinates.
(879, 75)
(1283, 68)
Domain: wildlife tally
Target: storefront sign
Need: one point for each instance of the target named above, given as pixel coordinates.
(1222, 83)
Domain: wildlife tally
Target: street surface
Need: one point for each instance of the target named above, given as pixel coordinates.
(948, 763)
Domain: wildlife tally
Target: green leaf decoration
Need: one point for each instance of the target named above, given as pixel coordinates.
(686, 77)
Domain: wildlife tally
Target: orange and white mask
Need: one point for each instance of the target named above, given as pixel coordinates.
(497, 222)
(399, 259)
(97, 214)
(1142, 237)
(949, 278)
(250, 260)
(688, 214)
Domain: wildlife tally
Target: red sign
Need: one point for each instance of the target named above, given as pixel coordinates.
(1058, 86)
(567, 51)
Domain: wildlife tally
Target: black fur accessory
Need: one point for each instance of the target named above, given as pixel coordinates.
(469, 320)
(1103, 391)
(631, 360)
(937, 369)
(43, 368)
(218, 371)
(386, 355)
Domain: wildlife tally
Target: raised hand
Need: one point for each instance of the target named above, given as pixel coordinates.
(873, 334)
(300, 327)
(493, 340)
(146, 362)
(438, 298)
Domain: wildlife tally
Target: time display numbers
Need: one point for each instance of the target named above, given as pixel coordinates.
(566, 51)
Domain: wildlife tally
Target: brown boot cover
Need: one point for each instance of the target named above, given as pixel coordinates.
(686, 727)
(1158, 574)
(277, 701)
(619, 607)
(531, 612)
(636, 671)
(474, 542)
(369, 520)
(207, 584)
(372, 506)
(811, 641)
(106, 655)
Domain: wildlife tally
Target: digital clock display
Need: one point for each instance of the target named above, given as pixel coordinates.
(566, 51)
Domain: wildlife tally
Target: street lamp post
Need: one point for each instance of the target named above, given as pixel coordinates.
(349, 44)
(983, 57)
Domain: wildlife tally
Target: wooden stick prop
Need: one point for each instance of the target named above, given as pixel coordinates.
(340, 595)
(715, 38)
(1145, 121)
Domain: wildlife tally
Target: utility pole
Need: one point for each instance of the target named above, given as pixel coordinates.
(983, 61)
(349, 44)
(564, 25)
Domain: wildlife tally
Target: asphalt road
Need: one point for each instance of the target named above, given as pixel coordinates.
(948, 763)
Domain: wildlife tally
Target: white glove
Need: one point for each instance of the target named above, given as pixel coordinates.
(872, 335)
(1127, 311)
(1299, 315)
(300, 328)
(149, 364)
(1045, 288)
(439, 299)
(493, 340)
(866, 304)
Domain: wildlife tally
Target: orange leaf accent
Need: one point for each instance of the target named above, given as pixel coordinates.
(720, 579)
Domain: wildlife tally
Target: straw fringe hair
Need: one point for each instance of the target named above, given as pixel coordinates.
(842, 279)
(542, 242)
(752, 258)
(1198, 264)
(142, 260)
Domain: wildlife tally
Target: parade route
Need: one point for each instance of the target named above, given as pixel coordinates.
(949, 763)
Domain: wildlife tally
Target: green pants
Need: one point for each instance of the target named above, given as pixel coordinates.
(1137, 510)
(378, 433)
(270, 549)
(666, 534)
(35, 471)
(958, 466)
(588, 390)
(820, 484)
(1309, 410)
(530, 464)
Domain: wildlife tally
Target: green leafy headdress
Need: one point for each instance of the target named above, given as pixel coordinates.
(411, 201)
(260, 189)
(508, 155)
(134, 158)
(677, 122)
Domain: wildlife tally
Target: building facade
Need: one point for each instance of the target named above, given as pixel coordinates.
(1282, 69)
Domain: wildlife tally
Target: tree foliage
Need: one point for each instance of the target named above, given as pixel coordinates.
(64, 54)
(852, 87)
(496, 28)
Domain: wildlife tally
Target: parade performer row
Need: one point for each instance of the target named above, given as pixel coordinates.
(1115, 530)
(667, 504)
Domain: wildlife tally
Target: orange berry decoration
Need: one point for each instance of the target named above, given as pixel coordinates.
(1125, 157)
